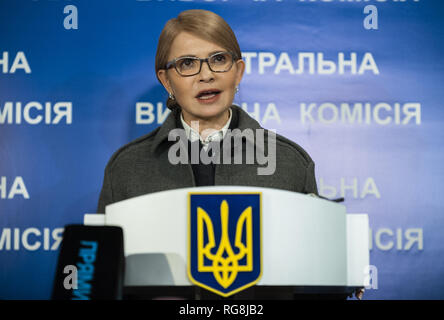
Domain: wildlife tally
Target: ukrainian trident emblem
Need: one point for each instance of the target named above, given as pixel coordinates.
(224, 254)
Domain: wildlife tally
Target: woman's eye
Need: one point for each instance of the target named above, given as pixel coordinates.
(219, 58)
(187, 63)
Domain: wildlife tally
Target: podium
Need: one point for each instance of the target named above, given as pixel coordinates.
(310, 246)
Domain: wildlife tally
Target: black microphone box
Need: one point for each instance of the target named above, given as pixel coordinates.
(91, 264)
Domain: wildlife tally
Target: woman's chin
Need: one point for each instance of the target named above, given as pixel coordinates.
(210, 111)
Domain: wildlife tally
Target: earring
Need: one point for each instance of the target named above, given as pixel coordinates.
(237, 89)
(171, 96)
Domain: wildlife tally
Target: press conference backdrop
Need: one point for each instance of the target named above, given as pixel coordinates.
(358, 84)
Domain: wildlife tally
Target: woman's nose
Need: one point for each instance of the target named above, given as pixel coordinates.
(205, 73)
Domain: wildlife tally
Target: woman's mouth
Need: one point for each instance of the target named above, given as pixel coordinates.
(209, 96)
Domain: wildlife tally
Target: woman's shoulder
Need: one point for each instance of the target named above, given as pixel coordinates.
(286, 145)
(133, 150)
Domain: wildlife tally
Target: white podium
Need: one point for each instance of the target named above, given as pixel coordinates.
(306, 241)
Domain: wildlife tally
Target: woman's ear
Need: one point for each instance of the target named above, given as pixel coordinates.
(162, 74)
(240, 70)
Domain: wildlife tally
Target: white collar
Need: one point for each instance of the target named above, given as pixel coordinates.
(217, 135)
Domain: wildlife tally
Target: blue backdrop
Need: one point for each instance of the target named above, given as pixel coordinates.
(361, 92)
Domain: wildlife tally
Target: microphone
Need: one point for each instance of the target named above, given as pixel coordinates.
(91, 264)
(333, 200)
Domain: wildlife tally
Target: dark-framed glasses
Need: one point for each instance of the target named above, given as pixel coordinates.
(190, 66)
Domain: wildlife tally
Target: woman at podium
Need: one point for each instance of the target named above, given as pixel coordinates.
(206, 139)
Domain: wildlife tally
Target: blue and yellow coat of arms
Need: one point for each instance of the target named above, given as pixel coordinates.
(224, 241)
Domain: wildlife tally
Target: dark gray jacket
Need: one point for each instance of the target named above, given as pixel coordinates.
(142, 166)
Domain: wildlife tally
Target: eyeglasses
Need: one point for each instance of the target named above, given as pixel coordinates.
(190, 66)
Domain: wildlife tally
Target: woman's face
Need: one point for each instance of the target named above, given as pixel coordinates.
(186, 89)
